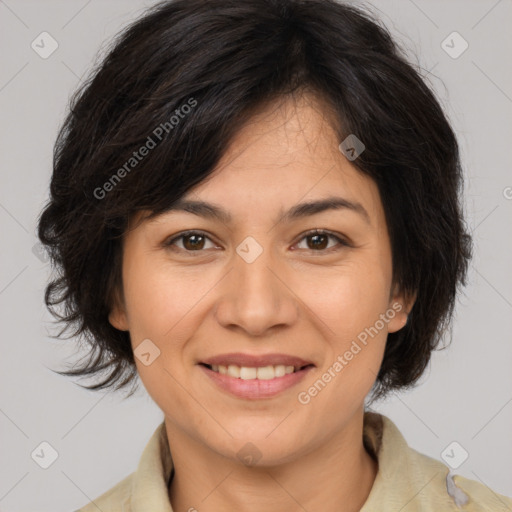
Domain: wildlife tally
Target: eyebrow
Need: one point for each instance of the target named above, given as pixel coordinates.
(301, 210)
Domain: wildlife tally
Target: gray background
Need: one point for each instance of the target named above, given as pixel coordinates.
(466, 393)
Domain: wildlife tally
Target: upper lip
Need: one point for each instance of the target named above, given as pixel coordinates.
(256, 361)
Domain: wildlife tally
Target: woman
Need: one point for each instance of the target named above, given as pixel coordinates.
(255, 208)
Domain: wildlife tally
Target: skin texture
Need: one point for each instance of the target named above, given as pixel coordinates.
(294, 298)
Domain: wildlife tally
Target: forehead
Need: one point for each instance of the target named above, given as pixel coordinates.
(284, 163)
(287, 153)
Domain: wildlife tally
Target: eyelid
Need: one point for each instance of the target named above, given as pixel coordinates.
(169, 242)
(319, 231)
(341, 239)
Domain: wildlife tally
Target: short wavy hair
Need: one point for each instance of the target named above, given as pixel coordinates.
(223, 59)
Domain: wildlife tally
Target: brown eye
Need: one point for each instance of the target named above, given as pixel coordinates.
(192, 241)
(318, 240)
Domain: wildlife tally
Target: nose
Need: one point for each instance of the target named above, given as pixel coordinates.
(255, 296)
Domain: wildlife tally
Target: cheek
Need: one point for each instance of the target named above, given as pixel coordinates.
(157, 303)
(349, 303)
(348, 299)
(158, 297)
(165, 306)
(353, 348)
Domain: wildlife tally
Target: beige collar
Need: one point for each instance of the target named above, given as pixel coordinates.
(406, 480)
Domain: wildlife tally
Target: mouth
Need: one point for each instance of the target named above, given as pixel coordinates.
(255, 376)
(267, 372)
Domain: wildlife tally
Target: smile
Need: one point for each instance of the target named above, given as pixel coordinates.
(261, 373)
(253, 383)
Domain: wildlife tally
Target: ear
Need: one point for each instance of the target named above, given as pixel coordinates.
(117, 316)
(401, 303)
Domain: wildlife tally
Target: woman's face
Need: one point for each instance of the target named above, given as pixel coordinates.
(258, 284)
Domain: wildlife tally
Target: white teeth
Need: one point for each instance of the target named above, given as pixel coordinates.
(233, 371)
(280, 370)
(249, 373)
(265, 373)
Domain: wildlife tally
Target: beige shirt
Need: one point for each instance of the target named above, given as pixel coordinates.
(407, 481)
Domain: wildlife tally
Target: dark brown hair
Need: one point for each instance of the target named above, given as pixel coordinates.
(223, 59)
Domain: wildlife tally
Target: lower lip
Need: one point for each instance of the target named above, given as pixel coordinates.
(255, 388)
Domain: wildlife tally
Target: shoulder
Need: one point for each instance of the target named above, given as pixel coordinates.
(115, 499)
(443, 488)
(480, 497)
(146, 487)
(412, 481)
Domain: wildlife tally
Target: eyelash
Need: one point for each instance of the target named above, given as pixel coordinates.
(342, 242)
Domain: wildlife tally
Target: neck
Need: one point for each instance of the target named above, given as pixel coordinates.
(336, 475)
